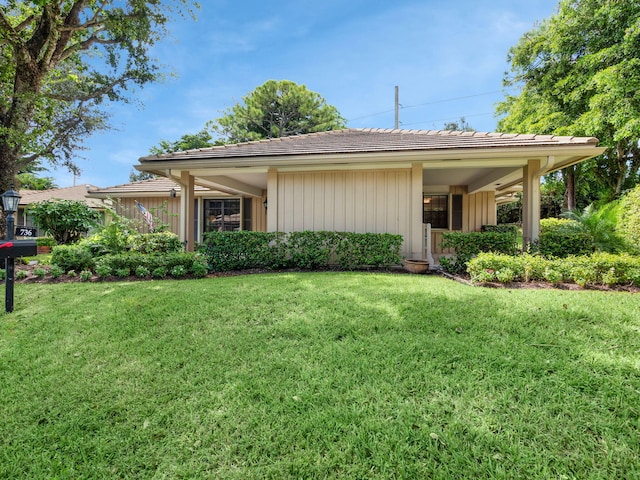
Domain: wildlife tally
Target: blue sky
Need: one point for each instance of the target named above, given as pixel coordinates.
(352, 52)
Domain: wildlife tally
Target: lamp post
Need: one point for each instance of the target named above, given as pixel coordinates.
(10, 201)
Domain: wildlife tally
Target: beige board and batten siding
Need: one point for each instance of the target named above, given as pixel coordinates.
(127, 208)
(346, 201)
(477, 209)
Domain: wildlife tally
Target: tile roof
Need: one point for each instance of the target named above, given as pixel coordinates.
(77, 193)
(158, 185)
(353, 140)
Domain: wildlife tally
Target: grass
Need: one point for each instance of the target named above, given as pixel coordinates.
(318, 375)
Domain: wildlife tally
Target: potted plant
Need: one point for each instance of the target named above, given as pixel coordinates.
(44, 244)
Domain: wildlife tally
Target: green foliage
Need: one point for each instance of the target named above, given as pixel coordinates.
(189, 141)
(3, 273)
(85, 275)
(46, 242)
(629, 220)
(103, 270)
(277, 109)
(579, 72)
(72, 257)
(122, 272)
(65, 220)
(596, 269)
(358, 250)
(113, 237)
(61, 61)
(29, 181)
(157, 242)
(40, 272)
(469, 244)
(178, 271)
(142, 271)
(55, 271)
(159, 272)
(21, 274)
(601, 225)
(503, 228)
(245, 250)
(562, 242)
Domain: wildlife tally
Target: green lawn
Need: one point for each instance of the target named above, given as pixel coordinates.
(318, 375)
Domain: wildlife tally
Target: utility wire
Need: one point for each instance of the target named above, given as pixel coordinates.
(426, 103)
(448, 119)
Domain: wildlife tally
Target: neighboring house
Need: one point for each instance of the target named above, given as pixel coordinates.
(161, 197)
(76, 193)
(366, 180)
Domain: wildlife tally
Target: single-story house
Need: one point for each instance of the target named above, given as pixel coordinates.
(161, 196)
(416, 183)
(76, 193)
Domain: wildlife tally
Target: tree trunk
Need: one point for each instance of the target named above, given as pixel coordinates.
(570, 192)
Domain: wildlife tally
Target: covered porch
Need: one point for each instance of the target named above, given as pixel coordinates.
(373, 181)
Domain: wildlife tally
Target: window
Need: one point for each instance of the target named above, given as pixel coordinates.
(222, 215)
(443, 211)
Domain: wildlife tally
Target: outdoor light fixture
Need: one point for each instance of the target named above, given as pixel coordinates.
(265, 203)
(172, 193)
(10, 201)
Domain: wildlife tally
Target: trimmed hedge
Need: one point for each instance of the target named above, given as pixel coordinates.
(135, 263)
(595, 269)
(305, 250)
(72, 257)
(469, 244)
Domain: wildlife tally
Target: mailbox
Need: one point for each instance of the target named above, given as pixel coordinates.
(17, 248)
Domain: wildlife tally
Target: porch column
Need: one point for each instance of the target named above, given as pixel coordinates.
(531, 202)
(415, 243)
(272, 200)
(187, 211)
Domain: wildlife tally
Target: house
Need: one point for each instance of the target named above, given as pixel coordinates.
(416, 183)
(161, 196)
(76, 193)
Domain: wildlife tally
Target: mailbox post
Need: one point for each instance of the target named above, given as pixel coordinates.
(10, 200)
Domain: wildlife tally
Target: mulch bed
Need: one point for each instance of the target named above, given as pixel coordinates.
(466, 279)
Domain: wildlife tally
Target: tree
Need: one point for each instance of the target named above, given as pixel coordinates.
(189, 141)
(459, 126)
(30, 181)
(277, 109)
(579, 74)
(65, 220)
(629, 222)
(60, 60)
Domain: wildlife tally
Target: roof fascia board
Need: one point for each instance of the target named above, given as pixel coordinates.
(412, 156)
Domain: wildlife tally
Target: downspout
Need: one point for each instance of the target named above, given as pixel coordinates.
(551, 161)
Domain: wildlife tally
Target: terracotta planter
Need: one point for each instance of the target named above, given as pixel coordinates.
(43, 250)
(416, 266)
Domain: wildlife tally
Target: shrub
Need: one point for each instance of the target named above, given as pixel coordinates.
(103, 270)
(561, 243)
(72, 273)
(629, 221)
(72, 257)
(504, 228)
(601, 225)
(369, 250)
(178, 271)
(199, 267)
(242, 250)
(469, 244)
(56, 271)
(65, 220)
(598, 268)
(20, 274)
(142, 271)
(160, 242)
(40, 272)
(122, 272)
(85, 275)
(3, 273)
(159, 272)
(46, 242)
